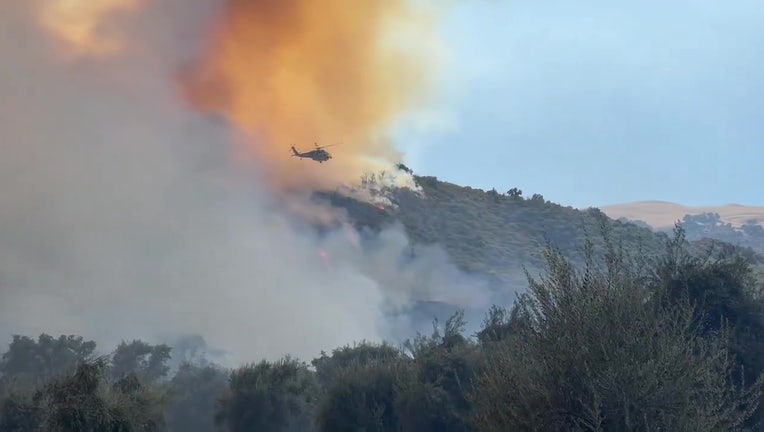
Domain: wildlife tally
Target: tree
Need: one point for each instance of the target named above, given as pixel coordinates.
(194, 395)
(28, 362)
(18, 413)
(363, 397)
(499, 324)
(723, 289)
(329, 367)
(444, 365)
(148, 362)
(597, 350)
(404, 168)
(82, 402)
(270, 397)
(514, 193)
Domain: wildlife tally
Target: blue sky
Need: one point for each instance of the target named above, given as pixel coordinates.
(597, 102)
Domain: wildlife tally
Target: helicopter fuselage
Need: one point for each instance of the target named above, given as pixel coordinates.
(319, 155)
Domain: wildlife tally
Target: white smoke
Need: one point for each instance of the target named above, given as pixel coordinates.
(123, 216)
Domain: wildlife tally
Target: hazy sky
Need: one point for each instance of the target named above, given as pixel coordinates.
(597, 102)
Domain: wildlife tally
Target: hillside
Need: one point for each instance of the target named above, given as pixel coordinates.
(496, 236)
(493, 233)
(490, 233)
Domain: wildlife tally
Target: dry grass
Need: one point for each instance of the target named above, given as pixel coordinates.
(662, 214)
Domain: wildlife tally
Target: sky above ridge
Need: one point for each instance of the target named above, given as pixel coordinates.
(593, 103)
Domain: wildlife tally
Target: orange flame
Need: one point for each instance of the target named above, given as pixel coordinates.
(292, 72)
(83, 24)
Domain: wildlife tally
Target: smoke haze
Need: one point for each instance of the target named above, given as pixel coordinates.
(123, 213)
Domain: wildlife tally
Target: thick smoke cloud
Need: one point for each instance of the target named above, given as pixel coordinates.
(122, 213)
(294, 72)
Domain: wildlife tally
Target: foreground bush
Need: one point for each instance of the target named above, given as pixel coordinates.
(84, 402)
(278, 396)
(599, 350)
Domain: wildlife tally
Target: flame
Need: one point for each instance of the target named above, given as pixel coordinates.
(324, 257)
(295, 72)
(83, 24)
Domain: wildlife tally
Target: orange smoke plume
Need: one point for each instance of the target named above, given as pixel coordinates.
(295, 72)
(84, 24)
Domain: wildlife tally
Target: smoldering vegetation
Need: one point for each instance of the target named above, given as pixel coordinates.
(622, 343)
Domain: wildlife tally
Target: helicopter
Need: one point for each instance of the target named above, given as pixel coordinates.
(319, 154)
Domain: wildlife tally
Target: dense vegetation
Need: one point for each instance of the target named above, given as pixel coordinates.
(624, 342)
(484, 231)
(498, 234)
(710, 225)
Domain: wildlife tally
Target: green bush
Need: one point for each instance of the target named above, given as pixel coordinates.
(598, 350)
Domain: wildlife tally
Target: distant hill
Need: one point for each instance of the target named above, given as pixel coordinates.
(735, 224)
(662, 214)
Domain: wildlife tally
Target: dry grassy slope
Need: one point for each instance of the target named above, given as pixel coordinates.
(662, 214)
